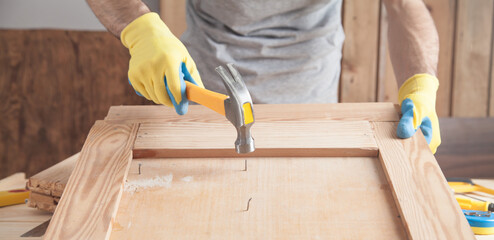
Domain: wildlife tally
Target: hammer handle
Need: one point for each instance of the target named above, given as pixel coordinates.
(213, 100)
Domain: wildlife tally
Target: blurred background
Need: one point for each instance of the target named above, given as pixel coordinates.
(60, 71)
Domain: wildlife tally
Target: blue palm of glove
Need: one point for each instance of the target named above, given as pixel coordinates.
(406, 127)
(181, 107)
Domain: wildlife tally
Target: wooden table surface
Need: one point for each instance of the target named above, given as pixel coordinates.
(18, 219)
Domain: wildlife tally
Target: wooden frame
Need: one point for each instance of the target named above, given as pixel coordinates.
(88, 207)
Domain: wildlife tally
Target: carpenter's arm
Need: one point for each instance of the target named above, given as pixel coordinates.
(413, 39)
(115, 15)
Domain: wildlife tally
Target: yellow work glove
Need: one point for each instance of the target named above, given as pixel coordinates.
(418, 100)
(159, 62)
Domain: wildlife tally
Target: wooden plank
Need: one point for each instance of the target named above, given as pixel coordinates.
(93, 192)
(387, 87)
(443, 12)
(426, 203)
(263, 112)
(291, 198)
(14, 181)
(43, 202)
(173, 14)
(289, 139)
(360, 54)
(54, 85)
(472, 58)
(467, 147)
(491, 81)
(52, 180)
(21, 213)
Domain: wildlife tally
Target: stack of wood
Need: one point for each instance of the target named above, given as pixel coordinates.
(47, 186)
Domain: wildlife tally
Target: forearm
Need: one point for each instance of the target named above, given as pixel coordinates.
(115, 15)
(413, 39)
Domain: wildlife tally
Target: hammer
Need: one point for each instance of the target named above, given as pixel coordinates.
(236, 106)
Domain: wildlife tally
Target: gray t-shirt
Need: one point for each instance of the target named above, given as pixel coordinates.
(287, 51)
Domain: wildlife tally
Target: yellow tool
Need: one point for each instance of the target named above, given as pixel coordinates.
(464, 185)
(478, 212)
(236, 107)
(11, 197)
(472, 204)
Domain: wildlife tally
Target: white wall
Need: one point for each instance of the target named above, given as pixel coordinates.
(52, 14)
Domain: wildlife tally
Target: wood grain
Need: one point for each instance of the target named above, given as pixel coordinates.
(426, 203)
(93, 192)
(53, 86)
(292, 198)
(387, 87)
(14, 181)
(443, 12)
(263, 112)
(43, 202)
(53, 180)
(287, 139)
(360, 51)
(472, 58)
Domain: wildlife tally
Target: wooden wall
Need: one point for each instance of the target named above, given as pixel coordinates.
(55, 84)
(465, 58)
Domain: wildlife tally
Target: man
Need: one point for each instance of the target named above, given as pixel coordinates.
(287, 51)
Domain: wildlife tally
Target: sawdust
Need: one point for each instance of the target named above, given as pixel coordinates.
(139, 184)
(187, 179)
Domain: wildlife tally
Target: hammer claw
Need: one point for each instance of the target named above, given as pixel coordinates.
(238, 107)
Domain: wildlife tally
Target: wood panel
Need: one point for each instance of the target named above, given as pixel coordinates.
(491, 95)
(387, 87)
(472, 58)
(418, 185)
(95, 185)
(273, 139)
(207, 199)
(443, 12)
(53, 86)
(360, 51)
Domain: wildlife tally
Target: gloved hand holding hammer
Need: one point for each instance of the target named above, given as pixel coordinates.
(159, 62)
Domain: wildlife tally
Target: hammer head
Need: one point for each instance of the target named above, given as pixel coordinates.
(238, 107)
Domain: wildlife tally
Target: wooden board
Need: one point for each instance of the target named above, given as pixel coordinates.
(14, 181)
(387, 87)
(47, 186)
(287, 196)
(418, 185)
(291, 198)
(383, 112)
(52, 180)
(443, 12)
(54, 85)
(360, 51)
(95, 184)
(294, 139)
(472, 58)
